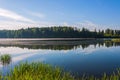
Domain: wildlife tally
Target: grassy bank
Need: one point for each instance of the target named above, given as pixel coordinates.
(39, 71)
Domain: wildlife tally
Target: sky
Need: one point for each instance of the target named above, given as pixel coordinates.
(91, 14)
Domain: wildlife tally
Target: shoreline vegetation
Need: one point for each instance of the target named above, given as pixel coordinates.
(40, 71)
(59, 32)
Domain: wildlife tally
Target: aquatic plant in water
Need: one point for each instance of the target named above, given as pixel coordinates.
(37, 71)
(40, 71)
(5, 59)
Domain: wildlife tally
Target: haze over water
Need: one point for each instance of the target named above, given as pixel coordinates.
(91, 57)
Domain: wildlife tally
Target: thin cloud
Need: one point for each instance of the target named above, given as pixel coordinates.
(92, 26)
(12, 15)
(65, 24)
(14, 25)
(40, 15)
(87, 24)
(35, 14)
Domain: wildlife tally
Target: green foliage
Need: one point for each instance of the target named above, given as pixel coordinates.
(116, 40)
(5, 59)
(58, 32)
(37, 71)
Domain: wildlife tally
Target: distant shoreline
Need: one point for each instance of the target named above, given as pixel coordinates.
(59, 33)
(46, 39)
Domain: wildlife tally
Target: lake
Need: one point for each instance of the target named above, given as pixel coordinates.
(90, 56)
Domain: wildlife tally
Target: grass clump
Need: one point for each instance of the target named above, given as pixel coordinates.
(113, 76)
(40, 71)
(5, 59)
(37, 71)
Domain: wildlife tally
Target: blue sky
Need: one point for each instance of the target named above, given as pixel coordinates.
(101, 14)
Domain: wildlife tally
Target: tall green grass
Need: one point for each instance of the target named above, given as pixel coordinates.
(39, 71)
(5, 59)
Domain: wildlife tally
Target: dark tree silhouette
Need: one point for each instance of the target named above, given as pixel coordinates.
(59, 32)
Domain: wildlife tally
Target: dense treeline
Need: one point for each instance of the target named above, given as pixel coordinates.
(59, 32)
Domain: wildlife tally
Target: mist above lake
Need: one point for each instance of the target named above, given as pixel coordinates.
(92, 57)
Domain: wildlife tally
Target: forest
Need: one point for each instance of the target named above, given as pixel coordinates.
(59, 32)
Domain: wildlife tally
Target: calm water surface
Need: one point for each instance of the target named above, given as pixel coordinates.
(91, 57)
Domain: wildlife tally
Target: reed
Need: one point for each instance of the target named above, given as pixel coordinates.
(37, 71)
(40, 71)
(5, 59)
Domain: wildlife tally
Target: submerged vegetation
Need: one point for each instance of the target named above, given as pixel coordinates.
(59, 32)
(40, 71)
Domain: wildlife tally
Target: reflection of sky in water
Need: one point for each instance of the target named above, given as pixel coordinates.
(92, 60)
(19, 54)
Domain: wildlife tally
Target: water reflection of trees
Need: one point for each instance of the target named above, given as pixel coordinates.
(66, 45)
